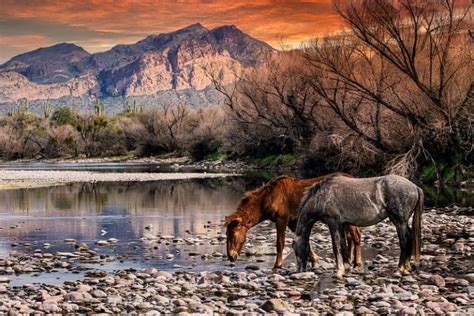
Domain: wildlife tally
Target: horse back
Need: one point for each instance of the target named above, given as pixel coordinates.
(374, 198)
(282, 200)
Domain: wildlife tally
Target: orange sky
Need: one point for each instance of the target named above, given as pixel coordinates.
(97, 25)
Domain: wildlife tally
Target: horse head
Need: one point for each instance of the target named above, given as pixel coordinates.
(236, 233)
(301, 249)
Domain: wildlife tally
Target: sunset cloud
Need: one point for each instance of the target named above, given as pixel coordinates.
(97, 25)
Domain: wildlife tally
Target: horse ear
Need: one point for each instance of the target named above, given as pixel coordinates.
(232, 220)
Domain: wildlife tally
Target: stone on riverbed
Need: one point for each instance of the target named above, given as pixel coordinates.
(114, 299)
(276, 305)
(4, 279)
(469, 277)
(303, 276)
(437, 280)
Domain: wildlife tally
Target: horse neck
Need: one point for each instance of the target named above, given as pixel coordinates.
(305, 223)
(251, 218)
(304, 228)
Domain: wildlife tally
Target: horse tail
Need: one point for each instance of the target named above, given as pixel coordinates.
(416, 224)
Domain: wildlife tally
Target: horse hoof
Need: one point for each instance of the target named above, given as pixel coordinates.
(403, 271)
(357, 264)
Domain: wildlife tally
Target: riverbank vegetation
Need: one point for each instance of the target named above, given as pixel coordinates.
(392, 93)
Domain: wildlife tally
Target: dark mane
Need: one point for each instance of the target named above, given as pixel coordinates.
(315, 188)
(265, 188)
(318, 185)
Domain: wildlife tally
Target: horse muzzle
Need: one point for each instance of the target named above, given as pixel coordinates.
(233, 256)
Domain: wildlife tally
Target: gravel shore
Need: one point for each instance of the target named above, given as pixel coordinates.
(444, 284)
(36, 178)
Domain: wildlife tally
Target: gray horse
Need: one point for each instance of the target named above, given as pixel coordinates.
(338, 200)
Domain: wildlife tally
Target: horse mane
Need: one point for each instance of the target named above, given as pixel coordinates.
(266, 187)
(312, 190)
(259, 193)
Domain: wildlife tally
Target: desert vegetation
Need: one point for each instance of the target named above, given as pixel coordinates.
(65, 133)
(391, 93)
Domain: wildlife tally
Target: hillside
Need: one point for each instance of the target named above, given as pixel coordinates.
(163, 63)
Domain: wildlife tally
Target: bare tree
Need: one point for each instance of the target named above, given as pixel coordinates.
(405, 65)
(272, 101)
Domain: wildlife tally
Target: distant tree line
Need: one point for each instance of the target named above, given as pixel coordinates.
(65, 133)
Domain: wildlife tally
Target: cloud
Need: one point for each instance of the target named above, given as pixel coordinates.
(15, 44)
(99, 24)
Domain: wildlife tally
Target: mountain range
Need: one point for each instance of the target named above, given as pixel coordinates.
(170, 66)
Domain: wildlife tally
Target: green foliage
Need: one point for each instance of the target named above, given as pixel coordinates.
(216, 156)
(286, 159)
(428, 172)
(274, 160)
(444, 171)
(21, 109)
(133, 108)
(269, 160)
(99, 108)
(47, 109)
(64, 115)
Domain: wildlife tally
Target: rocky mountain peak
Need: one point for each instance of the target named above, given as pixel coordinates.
(48, 64)
(178, 60)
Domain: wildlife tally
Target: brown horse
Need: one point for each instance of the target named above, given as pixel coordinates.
(278, 201)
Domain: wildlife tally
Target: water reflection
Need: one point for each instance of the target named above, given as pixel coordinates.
(126, 211)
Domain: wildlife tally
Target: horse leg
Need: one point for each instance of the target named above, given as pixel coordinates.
(281, 229)
(405, 238)
(336, 246)
(343, 243)
(409, 249)
(314, 258)
(350, 245)
(356, 252)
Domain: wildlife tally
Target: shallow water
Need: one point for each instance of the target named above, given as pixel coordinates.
(88, 212)
(182, 210)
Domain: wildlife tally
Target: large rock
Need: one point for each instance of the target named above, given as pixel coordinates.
(276, 305)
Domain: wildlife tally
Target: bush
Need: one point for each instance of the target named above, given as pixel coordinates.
(203, 148)
(65, 116)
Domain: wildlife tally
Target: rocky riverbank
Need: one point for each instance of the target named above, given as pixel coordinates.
(177, 164)
(36, 178)
(445, 282)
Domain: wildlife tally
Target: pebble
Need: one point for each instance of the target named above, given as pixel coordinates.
(114, 299)
(102, 242)
(437, 280)
(4, 279)
(303, 276)
(252, 267)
